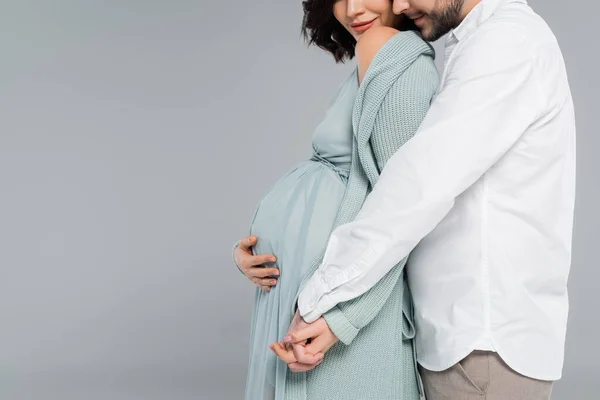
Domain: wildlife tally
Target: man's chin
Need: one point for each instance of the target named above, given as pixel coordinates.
(429, 35)
(426, 34)
(425, 31)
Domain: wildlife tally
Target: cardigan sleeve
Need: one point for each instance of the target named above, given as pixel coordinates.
(403, 108)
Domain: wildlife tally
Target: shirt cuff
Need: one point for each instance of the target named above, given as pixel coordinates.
(314, 300)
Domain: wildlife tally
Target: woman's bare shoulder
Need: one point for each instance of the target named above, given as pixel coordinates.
(369, 44)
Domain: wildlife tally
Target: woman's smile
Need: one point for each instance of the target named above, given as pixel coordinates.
(360, 27)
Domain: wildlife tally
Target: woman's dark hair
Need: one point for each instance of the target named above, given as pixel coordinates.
(321, 28)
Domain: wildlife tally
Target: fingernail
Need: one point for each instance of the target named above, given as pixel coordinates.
(273, 282)
(287, 338)
(273, 259)
(276, 273)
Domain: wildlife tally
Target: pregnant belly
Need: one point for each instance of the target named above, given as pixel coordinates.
(293, 221)
(295, 218)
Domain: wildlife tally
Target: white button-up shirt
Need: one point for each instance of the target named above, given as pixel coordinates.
(484, 194)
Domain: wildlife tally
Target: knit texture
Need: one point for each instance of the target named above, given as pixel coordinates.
(380, 362)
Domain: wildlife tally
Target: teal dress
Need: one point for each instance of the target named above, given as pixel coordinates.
(294, 221)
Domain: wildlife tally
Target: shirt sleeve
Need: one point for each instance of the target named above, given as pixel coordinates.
(489, 98)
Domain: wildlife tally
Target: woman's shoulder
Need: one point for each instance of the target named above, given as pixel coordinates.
(384, 45)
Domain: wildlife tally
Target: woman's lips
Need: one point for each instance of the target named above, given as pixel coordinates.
(362, 26)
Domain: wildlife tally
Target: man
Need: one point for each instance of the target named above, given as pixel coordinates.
(484, 194)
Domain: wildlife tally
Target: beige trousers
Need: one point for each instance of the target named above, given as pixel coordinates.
(482, 375)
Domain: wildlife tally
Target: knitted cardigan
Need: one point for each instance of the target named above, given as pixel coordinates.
(375, 357)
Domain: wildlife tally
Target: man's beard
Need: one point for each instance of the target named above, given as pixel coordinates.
(444, 21)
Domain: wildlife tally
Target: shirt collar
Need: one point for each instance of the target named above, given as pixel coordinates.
(478, 15)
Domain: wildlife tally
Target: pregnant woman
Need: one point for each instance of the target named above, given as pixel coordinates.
(376, 110)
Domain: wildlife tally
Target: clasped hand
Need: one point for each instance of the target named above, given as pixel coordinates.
(305, 345)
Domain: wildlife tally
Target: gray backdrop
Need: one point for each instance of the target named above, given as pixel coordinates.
(136, 138)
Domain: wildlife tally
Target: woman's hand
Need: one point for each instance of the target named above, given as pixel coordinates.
(251, 265)
(296, 351)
